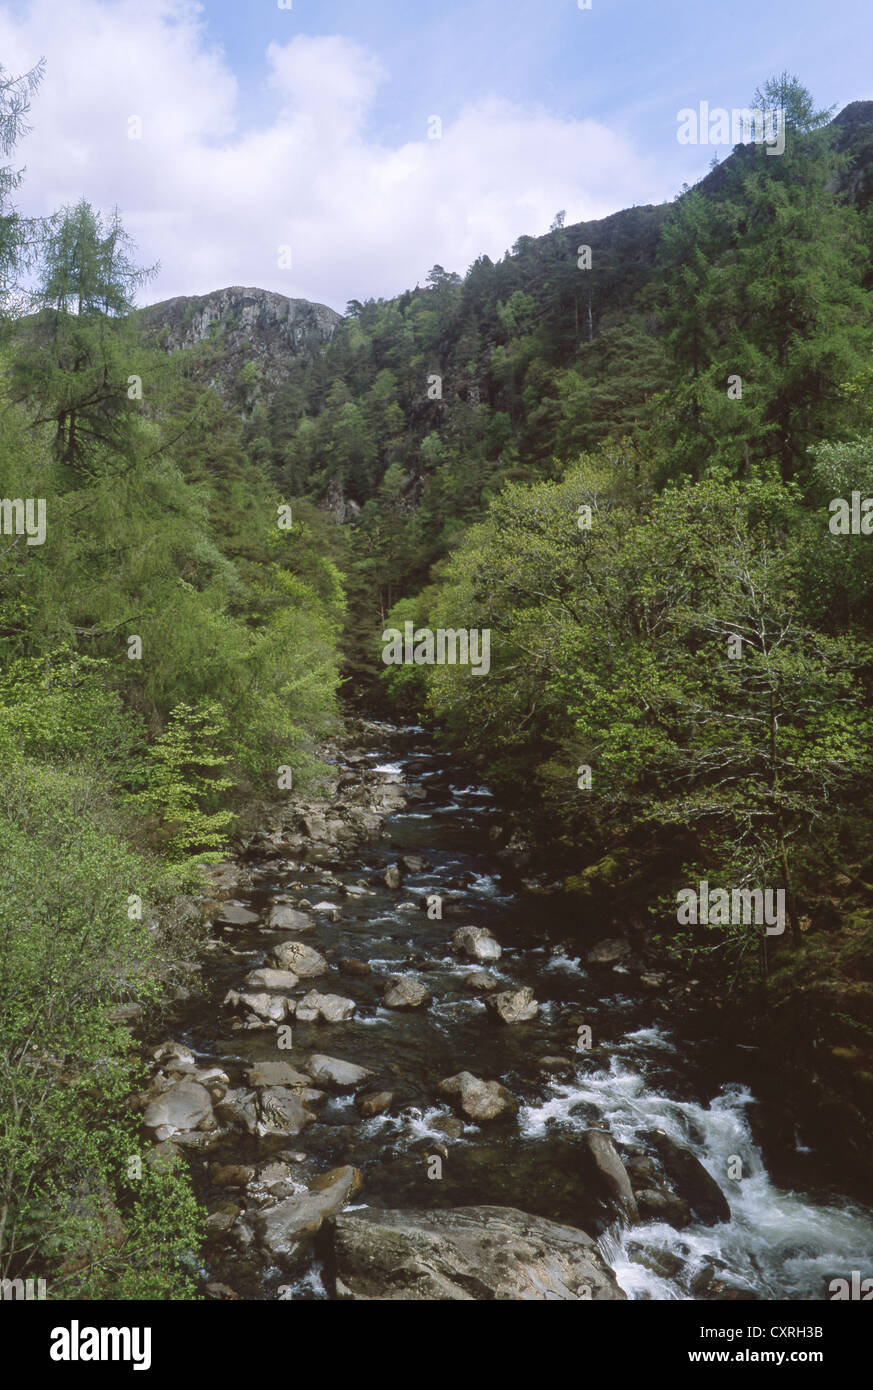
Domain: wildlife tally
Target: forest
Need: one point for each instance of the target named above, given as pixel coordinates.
(620, 451)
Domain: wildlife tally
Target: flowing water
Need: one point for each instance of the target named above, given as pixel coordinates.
(783, 1242)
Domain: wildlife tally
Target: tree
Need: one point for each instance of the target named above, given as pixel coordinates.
(16, 233)
(77, 355)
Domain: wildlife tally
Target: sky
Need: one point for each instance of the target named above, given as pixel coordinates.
(338, 149)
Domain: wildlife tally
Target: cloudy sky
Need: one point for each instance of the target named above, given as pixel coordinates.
(307, 126)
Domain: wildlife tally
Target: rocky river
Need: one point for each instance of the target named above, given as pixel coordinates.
(412, 1072)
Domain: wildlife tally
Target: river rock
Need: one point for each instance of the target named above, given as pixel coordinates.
(355, 968)
(608, 952)
(335, 1073)
(284, 918)
(479, 1100)
(392, 876)
(514, 1005)
(413, 863)
(281, 1229)
(690, 1180)
(654, 1204)
(331, 1008)
(267, 979)
(466, 1254)
(183, 1107)
(280, 1111)
(480, 982)
(276, 1074)
(477, 943)
(240, 1109)
(405, 992)
(555, 1066)
(373, 1103)
(234, 915)
(612, 1172)
(274, 1007)
(301, 959)
(175, 1056)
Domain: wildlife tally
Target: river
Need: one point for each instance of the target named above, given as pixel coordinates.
(640, 1073)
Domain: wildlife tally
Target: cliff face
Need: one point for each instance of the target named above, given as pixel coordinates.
(245, 326)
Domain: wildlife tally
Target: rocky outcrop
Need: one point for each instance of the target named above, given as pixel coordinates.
(466, 1254)
(246, 326)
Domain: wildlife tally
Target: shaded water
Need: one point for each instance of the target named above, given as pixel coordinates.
(638, 1075)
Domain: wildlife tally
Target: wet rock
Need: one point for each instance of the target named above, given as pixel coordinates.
(335, 1073)
(281, 1111)
(653, 980)
(450, 1125)
(355, 968)
(219, 1222)
(612, 1173)
(276, 1074)
(392, 876)
(690, 1180)
(466, 1254)
(555, 1066)
(654, 1204)
(284, 918)
(610, 951)
(414, 863)
(477, 943)
(373, 1103)
(220, 1292)
(267, 979)
(481, 1101)
(283, 1228)
(301, 959)
(480, 982)
(330, 1008)
(273, 1007)
(231, 1174)
(234, 915)
(183, 1107)
(405, 992)
(514, 1005)
(239, 1109)
(175, 1057)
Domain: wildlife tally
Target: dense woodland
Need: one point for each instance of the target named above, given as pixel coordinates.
(557, 451)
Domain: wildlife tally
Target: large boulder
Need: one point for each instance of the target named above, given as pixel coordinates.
(612, 1173)
(405, 992)
(274, 1007)
(336, 1074)
(281, 1229)
(281, 1111)
(513, 1005)
(330, 1008)
(284, 918)
(235, 915)
(690, 1180)
(272, 1073)
(466, 1254)
(477, 943)
(184, 1106)
(301, 959)
(267, 979)
(479, 1100)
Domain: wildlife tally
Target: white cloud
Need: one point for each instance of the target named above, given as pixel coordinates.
(213, 199)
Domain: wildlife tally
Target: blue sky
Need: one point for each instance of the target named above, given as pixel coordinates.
(307, 128)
